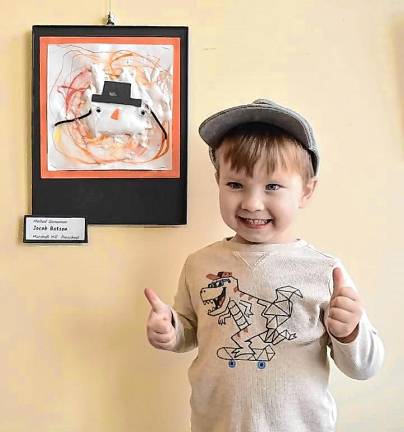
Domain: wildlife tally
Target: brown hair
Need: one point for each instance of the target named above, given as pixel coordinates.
(244, 145)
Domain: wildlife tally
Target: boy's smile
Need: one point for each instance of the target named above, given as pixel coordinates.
(263, 207)
(255, 223)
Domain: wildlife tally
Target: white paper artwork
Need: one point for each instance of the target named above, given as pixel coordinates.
(109, 107)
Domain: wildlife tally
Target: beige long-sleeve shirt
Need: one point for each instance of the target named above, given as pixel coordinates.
(256, 314)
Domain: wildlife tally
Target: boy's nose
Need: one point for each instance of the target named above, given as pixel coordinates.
(252, 203)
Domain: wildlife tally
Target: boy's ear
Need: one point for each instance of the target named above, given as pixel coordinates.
(308, 191)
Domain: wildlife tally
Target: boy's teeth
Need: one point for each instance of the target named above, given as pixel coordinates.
(256, 221)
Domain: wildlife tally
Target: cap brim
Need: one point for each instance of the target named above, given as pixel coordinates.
(215, 127)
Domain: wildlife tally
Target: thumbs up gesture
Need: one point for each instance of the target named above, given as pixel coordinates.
(345, 310)
(160, 331)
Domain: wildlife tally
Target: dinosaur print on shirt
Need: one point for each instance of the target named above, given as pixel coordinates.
(250, 315)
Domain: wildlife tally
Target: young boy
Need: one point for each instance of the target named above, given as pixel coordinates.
(262, 307)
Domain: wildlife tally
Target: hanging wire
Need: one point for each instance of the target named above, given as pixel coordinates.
(110, 18)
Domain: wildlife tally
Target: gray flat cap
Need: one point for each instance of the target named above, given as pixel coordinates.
(216, 126)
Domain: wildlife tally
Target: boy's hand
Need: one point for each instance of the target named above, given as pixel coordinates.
(345, 310)
(160, 331)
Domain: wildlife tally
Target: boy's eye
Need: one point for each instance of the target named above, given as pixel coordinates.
(234, 185)
(272, 187)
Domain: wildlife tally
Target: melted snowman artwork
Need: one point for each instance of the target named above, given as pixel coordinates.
(114, 121)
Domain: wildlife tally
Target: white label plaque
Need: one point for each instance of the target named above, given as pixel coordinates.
(47, 229)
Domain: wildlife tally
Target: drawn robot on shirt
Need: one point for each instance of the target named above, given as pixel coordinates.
(250, 314)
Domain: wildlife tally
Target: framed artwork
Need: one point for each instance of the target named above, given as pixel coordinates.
(109, 123)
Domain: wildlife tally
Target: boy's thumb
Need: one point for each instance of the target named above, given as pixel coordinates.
(338, 280)
(157, 305)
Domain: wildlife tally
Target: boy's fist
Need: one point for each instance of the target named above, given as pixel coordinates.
(345, 310)
(160, 331)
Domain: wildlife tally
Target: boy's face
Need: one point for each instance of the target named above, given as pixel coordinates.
(261, 208)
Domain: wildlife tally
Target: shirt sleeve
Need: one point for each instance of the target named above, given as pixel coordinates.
(184, 316)
(363, 357)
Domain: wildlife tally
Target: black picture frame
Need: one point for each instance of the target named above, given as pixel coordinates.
(130, 201)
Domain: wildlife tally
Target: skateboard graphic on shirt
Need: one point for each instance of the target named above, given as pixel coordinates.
(250, 314)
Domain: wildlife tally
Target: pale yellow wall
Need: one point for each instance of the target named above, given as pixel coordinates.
(73, 354)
